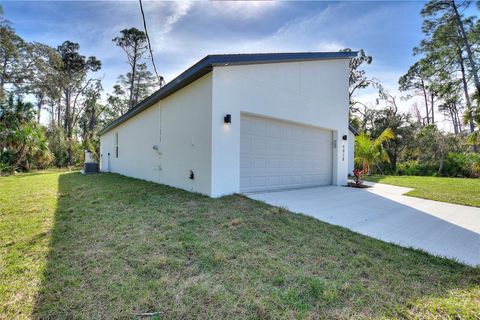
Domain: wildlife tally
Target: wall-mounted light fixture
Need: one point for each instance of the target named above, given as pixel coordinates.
(344, 137)
(227, 118)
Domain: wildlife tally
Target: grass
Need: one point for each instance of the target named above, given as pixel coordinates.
(453, 190)
(108, 246)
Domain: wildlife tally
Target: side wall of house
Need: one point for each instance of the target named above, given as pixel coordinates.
(312, 93)
(164, 142)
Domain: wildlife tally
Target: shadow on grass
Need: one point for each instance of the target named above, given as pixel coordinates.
(121, 247)
(38, 172)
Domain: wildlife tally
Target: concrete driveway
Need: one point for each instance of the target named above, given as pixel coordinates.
(383, 212)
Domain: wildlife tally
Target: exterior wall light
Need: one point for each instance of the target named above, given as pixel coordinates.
(227, 118)
(345, 137)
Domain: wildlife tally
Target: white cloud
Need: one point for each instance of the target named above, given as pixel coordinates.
(178, 10)
(241, 9)
(300, 34)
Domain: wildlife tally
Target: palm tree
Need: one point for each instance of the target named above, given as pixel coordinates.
(370, 152)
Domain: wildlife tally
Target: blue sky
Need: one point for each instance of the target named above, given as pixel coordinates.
(184, 32)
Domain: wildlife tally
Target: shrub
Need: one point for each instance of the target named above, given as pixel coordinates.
(23, 144)
(462, 165)
(417, 168)
(465, 165)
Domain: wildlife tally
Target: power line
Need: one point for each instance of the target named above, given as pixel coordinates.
(160, 78)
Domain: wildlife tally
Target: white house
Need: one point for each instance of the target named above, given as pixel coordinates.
(239, 123)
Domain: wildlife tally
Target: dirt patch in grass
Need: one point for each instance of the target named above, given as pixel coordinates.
(107, 246)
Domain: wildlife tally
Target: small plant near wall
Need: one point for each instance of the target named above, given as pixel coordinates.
(357, 177)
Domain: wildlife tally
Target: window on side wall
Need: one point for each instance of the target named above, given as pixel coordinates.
(116, 144)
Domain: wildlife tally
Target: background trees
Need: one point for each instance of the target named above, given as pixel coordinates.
(134, 43)
(447, 72)
(52, 104)
(443, 80)
(14, 53)
(74, 72)
(60, 82)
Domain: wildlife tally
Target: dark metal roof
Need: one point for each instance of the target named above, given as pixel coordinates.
(353, 129)
(206, 65)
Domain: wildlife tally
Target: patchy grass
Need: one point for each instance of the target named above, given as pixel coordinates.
(107, 246)
(453, 190)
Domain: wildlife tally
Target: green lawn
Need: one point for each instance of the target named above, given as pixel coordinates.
(107, 246)
(454, 190)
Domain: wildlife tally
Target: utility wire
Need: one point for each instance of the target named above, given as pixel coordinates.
(160, 78)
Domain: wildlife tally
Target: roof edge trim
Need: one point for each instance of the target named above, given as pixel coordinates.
(206, 65)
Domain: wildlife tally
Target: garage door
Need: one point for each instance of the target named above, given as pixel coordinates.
(281, 155)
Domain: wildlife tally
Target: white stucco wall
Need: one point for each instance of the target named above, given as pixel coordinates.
(351, 148)
(180, 126)
(313, 93)
(193, 135)
(136, 137)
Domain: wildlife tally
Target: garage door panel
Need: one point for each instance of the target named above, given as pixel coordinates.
(258, 181)
(281, 155)
(258, 127)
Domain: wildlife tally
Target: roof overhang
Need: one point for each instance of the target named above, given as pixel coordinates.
(353, 130)
(207, 64)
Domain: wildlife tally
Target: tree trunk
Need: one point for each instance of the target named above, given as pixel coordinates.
(137, 90)
(59, 112)
(458, 120)
(68, 126)
(467, 95)
(468, 48)
(132, 80)
(67, 110)
(432, 102)
(52, 112)
(393, 161)
(39, 107)
(426, 101)
(454, 119)
(2, 78)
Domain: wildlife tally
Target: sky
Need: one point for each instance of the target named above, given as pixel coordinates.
(184, 32)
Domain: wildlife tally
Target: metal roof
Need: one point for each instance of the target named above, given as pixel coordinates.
(353, 129)
(206, 65)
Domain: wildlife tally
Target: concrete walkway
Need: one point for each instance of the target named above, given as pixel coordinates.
(383, 212)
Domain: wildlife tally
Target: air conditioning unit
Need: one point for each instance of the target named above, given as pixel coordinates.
(90, 166)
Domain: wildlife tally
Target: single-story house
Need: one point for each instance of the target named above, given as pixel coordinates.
(239, 123)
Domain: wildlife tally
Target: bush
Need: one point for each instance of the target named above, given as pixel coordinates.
(78, 153)
(462, 165)
(466, 165)
(23, 143)
(417, 168)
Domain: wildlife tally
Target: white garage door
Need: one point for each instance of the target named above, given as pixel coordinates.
(280, 155)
